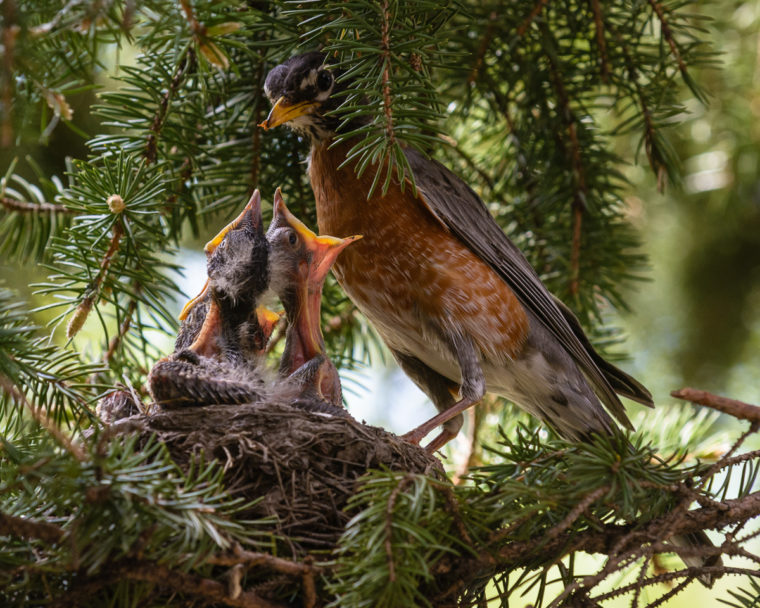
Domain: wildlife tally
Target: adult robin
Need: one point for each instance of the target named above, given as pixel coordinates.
(220, 365)
(455, 301)
(452, 297)
(299, 263)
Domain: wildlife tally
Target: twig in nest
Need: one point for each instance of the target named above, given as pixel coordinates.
(251, 559)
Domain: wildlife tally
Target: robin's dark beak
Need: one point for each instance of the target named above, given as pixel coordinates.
(283, 111)
(250, 215)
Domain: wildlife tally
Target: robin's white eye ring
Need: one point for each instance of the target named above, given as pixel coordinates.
(292, 238)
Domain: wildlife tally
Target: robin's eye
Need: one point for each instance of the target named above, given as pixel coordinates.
(292, 238)
(324, 80)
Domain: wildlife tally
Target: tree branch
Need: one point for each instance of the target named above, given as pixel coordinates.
(599, 25)
(185, 65)
(189, 584)
(28, 207)
(69, 444)
(621, 542)
(386, 46)
(535, 12)
(10, 525)
(251, 559)
(732, 407)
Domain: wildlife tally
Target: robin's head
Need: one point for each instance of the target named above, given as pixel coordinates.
(303, 91)
(238, 259)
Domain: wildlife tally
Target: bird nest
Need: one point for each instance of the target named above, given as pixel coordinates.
(299, 467)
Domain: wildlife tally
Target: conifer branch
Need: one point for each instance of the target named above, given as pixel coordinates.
(22, 527)
(535, 12)
(386, 78)
(126, 323)
(621, 539)
(656, 162)
(251, 559)
(184, 583)
(29, 207)
(85, 306)
(667, 33)
(400, 486)
(188, 584)
(39, 415)
(484, 44)
(732, 407)
(9, 32)
(185, 65)
(601, 41)
(580, 190)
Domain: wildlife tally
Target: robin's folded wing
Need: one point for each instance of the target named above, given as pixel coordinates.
(465, 215)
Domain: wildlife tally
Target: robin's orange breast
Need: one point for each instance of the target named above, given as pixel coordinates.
(409, 274)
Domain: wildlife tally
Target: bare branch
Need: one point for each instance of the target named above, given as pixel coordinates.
(737, 409)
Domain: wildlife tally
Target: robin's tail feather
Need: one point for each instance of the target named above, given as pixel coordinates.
(698, 540)
(621, 383)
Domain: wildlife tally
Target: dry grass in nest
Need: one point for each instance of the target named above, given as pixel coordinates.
(301, 466)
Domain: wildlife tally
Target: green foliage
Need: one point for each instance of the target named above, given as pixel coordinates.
(744, 597)
(531, 83)
(390, 548)
(387, 51)
(124, 501)
(56, 378)
(409, 531)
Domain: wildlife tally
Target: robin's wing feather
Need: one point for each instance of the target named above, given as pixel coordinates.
(465, 215)
(621, 383)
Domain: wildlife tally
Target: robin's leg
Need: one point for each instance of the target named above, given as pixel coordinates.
(472, 389)
(438, 388)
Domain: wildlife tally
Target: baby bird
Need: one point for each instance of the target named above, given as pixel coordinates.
(220, 364)
(299, 263)
(199, 314)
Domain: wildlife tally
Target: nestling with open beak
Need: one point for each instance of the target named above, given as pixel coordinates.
(220, 365)
(300, 261)
(195, 312)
